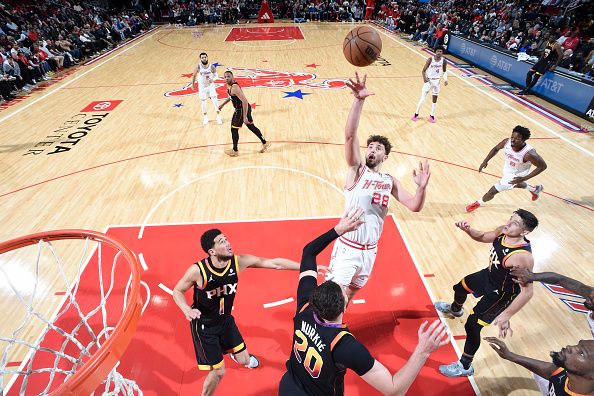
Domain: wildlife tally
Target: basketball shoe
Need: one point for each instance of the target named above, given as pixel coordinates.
(232, 153)
(456, 370)
(415, 117)
(265, 147)
(473, 206)
(431, 119)
(254, 362)
(536, 193)
(446, 308)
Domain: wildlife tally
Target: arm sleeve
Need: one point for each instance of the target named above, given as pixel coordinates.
(350, 353)
(308, 263)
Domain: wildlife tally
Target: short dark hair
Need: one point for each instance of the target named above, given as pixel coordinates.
(381, 140)
(203, 53)
(207, 239)
(439, 47)
(530, 221)
(228, 71)
(523, 131)
(327, 300)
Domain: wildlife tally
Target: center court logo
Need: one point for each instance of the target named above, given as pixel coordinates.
(261, 78)
(70, 133)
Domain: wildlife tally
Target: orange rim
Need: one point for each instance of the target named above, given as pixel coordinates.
(89, 376)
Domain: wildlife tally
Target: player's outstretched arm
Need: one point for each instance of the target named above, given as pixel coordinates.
(308, 277)
(492, 153)
(414, 203)
(524, 275)
(479, 236)
(538, 367)
(191, 277)
(430, 339)
(250, 261)
(224, 103)
(351, 144)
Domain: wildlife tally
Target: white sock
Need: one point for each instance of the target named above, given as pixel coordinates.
(530, 188)
(433, 108)
(204, 107)
(423, 96)
(215, 102)
(480, 201)
(253, 362)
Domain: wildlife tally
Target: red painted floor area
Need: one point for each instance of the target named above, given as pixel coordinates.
(161, 357)
(265, 33)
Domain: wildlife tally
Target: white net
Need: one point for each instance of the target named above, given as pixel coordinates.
(62, 308)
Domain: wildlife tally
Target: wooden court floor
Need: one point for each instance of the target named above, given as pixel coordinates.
(148, 159)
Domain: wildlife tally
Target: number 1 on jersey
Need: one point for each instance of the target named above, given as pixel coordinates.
(380, 199)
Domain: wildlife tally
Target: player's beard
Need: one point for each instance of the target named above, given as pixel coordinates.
(371, 163)
(224, 257)
(204, 62)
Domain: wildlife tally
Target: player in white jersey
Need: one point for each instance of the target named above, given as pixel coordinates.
(434, 69)
(354, 252)
(207, 74)
(519, 156)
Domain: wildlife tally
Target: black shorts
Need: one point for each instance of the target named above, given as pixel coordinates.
(541, 67)
(212, 341)
(492, 302)
(237, 120)
(289, 387)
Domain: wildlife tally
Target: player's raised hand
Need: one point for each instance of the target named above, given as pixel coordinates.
(499, 347)
(192, 313)
(358, 88)
(463, 225)
(504, 326)
(432, 337)
(350, 221)
(421, 177)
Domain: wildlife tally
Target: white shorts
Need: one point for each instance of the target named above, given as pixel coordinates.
(505, 182)
(206, 91)
(350, 266)
(433, 85)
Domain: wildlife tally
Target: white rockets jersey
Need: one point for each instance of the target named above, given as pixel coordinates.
(514, 160)
(435, 69)
(371, 192)
(204, 73)
(591, 322)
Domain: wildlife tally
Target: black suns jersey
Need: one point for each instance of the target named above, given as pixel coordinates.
(314, 359)
(559, 384)
(234, 99)
(499, 273)
(219, 286)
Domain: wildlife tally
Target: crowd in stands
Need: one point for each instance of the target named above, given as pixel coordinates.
(512, 25)
(42, 37)
(196, 12)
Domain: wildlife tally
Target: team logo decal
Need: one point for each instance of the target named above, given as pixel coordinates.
(260, 78)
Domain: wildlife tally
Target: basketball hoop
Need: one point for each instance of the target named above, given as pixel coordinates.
(79, 346)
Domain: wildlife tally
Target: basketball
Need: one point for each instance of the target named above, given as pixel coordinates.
(362, 46)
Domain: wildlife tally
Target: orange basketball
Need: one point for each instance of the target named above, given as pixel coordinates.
(362, 46)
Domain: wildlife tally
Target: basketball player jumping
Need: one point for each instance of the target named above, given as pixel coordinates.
(549, 59)
(354, 252)
(519, 156)
(207, 74)
(500, 296)
(323, 348)
(524, 275)
(432, 73)
(242, 115)
(214, 280)
(570, 374)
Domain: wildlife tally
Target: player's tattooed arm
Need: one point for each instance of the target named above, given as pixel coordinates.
(538, 367)
(524, 275)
